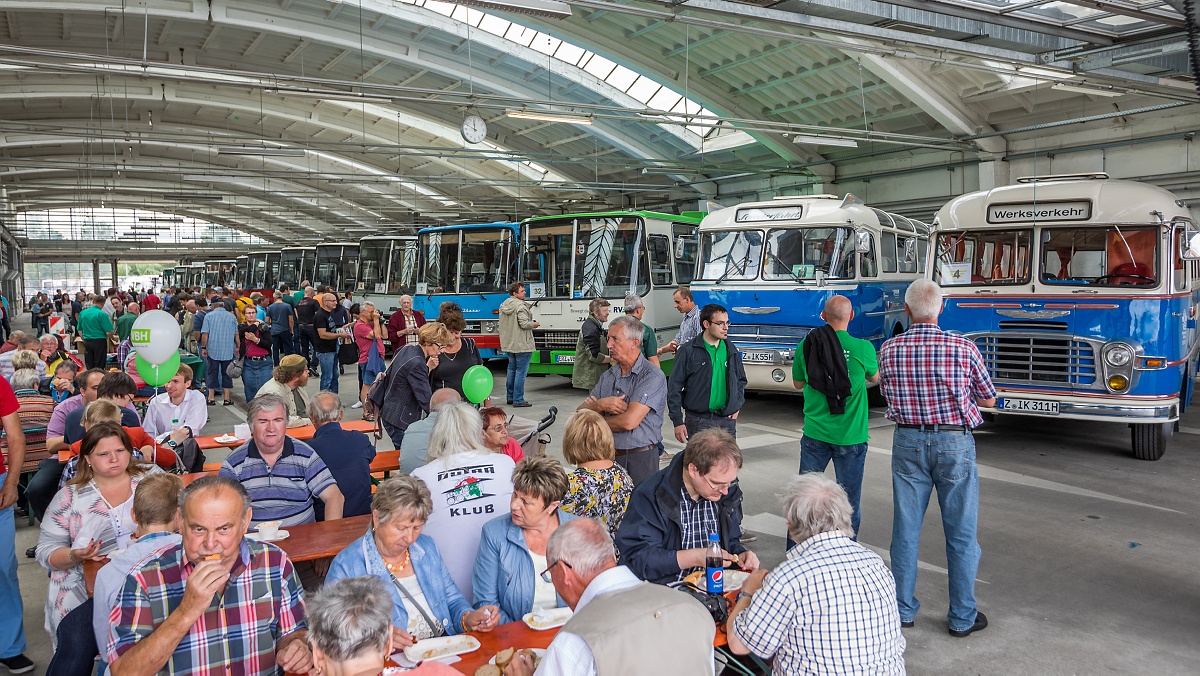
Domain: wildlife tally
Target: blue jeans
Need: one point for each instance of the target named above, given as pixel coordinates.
(216, 378)
(518, 368)
(255, 374)
(848, 463)
(329, 370)
(921, 462)
(77, 649)
(12, 631)
(395, 434)
(281, 344)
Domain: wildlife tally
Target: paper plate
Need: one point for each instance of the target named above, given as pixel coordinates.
(433, 648)
(257, 537)
(734, 579)
(549, 619)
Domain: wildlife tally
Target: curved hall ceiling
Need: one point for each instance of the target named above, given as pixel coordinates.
(363, 101)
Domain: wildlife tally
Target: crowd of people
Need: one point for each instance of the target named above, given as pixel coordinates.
(474, 533)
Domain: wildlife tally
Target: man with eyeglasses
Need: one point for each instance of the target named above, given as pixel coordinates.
(664, 535)
(621, 624)
(708, 382)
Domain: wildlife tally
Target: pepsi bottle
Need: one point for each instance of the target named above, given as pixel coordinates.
(715, 566)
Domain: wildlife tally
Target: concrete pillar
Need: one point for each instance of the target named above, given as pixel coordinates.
(993, 174)
(95, 275)
(114, 273)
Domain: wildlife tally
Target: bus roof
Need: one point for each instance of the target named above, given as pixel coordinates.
(689, 217)
(1055, 200)
(382, 237)
(354, 243)
(298, 248)
(814, 210)
(512, 225)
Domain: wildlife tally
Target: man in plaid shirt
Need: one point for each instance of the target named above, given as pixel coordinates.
(935, 383)
(182, 613)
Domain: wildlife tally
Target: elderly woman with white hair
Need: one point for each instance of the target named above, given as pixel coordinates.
(424, 599)
(473, 485)
(830, 607)
(349, 630)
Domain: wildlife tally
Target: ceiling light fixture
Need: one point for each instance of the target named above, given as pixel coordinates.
(1085, 90)
(824, 141)
(549, 9)
(260, 150)
(668, 171)
(193, 196)
(549, 116)
(330, 96)
(159, 219)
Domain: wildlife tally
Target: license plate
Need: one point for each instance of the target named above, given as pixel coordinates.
(759, 356)
(1029, 406)
(564, 359)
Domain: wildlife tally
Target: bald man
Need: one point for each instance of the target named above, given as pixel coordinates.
(833, 369)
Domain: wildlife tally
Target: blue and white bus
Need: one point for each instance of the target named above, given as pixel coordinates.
(471, 265)
(1081, 294)
(774, 264)
(387, 270)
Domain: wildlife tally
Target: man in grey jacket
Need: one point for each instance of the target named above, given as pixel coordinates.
(516, 339)
(414, 448)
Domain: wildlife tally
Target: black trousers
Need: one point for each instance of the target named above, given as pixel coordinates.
(95, 353)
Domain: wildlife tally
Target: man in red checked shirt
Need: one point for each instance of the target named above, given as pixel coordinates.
(935, 383)
(12, 632)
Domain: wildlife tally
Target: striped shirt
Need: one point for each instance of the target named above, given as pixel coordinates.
(931, 377)
(689, 328)
(262, 602)
(829, 608)
(284, 492)
(221, 327)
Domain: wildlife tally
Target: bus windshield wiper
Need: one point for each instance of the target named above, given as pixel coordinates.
(740, 267)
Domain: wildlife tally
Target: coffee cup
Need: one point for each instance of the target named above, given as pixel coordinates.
(269, 530)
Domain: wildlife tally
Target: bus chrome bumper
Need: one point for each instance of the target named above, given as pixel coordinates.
(1087, 408)
(769, 378)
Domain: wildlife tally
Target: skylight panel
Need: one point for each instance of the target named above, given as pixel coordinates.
(643, 88)
(621, 78)
(599, 66)
(569, 53)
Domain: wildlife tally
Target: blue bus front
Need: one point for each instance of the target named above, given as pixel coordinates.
(471, 265)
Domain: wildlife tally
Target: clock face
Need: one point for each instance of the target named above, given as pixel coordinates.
(474, 129)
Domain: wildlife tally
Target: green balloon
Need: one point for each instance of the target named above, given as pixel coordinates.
(477, 383)
(156, 375)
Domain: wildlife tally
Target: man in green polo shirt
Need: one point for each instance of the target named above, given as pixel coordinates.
(125, 321)
(838, 436)
(636, 307)
(95, 326)
(708, 382)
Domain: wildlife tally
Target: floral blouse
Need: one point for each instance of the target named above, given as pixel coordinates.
(599, 494)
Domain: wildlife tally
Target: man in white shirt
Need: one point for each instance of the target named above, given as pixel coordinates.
(179, 412)
(621, 625)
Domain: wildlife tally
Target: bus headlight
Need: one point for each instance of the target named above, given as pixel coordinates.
(1117, 383)
(778, 375)
(1118, 355)
(489, 326)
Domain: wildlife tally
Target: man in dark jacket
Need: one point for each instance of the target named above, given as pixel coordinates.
(664, 534)
(708, 381)
(347, 454)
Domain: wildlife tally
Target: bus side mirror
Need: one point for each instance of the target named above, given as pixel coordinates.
(862, 242)
(910, 250)
(1190, 246)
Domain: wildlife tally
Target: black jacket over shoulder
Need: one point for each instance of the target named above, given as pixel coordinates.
(825, 362)
(651, 532)
(690, 385)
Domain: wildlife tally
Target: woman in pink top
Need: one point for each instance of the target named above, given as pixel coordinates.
(495, 434)
(369, 335)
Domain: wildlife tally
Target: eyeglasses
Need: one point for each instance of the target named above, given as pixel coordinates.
(499, 428)
(724, 323)
(546, 573)
(720, 487)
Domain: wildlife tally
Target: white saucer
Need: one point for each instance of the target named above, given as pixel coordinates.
(226, 439)
(257, 537)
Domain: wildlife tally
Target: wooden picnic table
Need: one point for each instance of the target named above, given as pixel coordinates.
(209, 441)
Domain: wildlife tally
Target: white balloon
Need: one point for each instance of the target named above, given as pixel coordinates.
(155, 336)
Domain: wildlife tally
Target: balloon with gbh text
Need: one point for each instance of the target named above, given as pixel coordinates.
(155, 336)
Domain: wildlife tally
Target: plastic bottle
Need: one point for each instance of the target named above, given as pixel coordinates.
(715, 565)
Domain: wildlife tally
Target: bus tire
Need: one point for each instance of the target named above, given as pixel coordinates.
(1150, 439)
(875, 398)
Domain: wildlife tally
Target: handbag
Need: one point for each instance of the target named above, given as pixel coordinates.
(348, 354)
(375, 360)
(234, 368)
(716, 604)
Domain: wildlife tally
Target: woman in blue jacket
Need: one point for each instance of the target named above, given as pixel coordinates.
(425, 600)
(512, 550)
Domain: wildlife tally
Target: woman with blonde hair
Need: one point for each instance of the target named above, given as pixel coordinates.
(404, 397)
(472, 485)
(600, 488)
(89, 517)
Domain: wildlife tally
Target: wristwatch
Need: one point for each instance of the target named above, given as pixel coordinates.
(171, 443)
(742, 595)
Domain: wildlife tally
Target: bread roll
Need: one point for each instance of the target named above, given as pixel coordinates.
(489, 670)
(504, 657)
(533, 657)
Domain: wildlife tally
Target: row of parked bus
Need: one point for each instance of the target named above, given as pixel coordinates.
(1081, 292)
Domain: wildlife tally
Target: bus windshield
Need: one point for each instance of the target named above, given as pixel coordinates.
(800, 253)
(291, 264)
(377, 257)
(589, 257)
(1100, 256)
(468, 261)
(733, 254)
(977, 257)
(258, 272)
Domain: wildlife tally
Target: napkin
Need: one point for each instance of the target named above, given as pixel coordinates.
(241, 431)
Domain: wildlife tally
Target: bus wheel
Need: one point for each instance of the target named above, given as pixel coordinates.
(875, 398)
(1150, 439)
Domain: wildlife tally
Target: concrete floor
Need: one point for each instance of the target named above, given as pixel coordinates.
(1089, 556)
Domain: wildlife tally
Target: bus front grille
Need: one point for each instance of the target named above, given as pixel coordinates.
(1038, 360)
(555, 340)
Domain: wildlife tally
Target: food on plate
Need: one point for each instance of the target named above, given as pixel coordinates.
(696, 578)
(489, 670)
(542, 618)
(504, 657)
(534, 658)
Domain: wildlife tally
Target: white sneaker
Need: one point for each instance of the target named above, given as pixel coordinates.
(357, 404)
